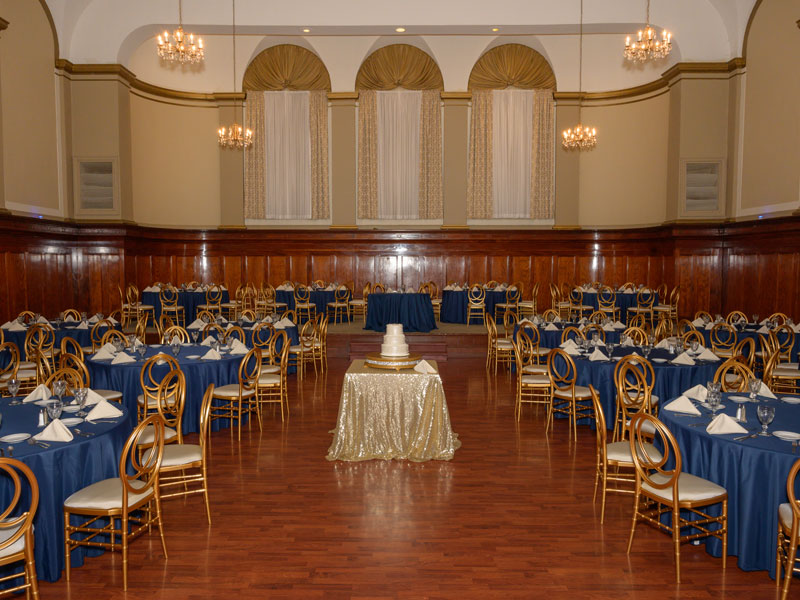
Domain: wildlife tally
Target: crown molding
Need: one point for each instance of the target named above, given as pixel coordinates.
(342, 95)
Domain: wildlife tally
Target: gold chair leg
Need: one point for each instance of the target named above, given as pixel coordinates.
(66, 544)
(635, 517)
(676, 541)
(160, 524)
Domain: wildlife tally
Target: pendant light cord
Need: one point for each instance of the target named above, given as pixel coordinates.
(180, 13)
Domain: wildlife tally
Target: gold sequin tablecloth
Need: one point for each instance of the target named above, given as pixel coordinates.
(392, 414)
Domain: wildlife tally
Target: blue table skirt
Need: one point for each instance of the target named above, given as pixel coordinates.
(82, 336)
(294, 339)
(319, 298)
(414, 311)
(61, 470)
(454, 306)
(199, 373)
(188, 300)
(752, 332)
(623, 302)
(753, 472)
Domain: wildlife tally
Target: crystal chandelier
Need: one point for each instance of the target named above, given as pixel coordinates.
(648, 46)
(580, 137)
(181, 47)
(234, 136)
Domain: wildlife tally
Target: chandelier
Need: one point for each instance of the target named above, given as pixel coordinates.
(648, 46)
(580, 137)
(234, 136)
(180, 47)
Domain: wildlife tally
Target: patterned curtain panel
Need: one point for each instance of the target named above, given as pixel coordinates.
(479, 176)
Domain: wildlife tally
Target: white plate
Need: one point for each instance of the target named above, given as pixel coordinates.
(42, 402)
(72, 421)
(786, 436)
(659, 360)
(708, 406)
(14, 438)
(739, 399)
(193, 356)
(71, 408)
(791, 399)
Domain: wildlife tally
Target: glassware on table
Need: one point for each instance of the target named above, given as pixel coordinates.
(175, 346)
(694, 345)
(595, 338)
(754, 385)
(118, 345)
(611, 346)
(713, 400)
(623, 338)
(646, 350)
(13, 387)
(132, 340)
(81, 395)
(59, 388)
(54, 408)
(755, 318)
(194, 333)
(766, 414)
(142, 350)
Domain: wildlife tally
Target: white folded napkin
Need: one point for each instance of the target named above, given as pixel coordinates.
(113, 320)
(628, 342)
(448, 288)
(608, 327)
(583, 321)
(698, 392)
(766, 392)
(197, 324)
(601, 343)
(175, 340)
(94, 319)
(69, 319)
(513, 288)
(238, 348)
(458, 288)
(796, 327)
(42, 392)
(707, 354)
(591, 290)
(93, 397)
(83, 325)
(102, 354)
(698, 322)
(211, 355)
(662, 344)
(42, 320)
(15, 326)
(597, 355)
(557, 320)
(108, 347)
(122, 358)
(286, 322)
(572, 351)
(682, 405)
(551, 327)
(628, 291)
(55, 432)
(330, 288)
(764, 321)
(763, 329)
(570, 343)
(619, 325)
(424, 366)
(525, 321)
(723, 424)
(103, 410)
(246, 319)
(6, 325)
(683, 359)
(709, 326)
(208, 340)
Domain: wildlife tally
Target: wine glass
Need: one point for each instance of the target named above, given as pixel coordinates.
(714, 386)
(142, 350)
(755, 318)
(13, 387)
(754, 385)
(694, 345)
(646, 350)
(595, 339)
(622, 339)
(175, 346)
(81, 395)
(713, 399)
(766, 414)
(59, 387)
(54, 409)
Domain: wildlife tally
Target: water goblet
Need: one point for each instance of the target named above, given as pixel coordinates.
(13, 387)
(59, 387)
(175, 347)
(142, 350)
(646, 350)
(714, 386)
(713, 400)
(100, 316)
(754, 385)
(117, 344)
(81, 395)
(766, 414)
(194, 334)
(755, 318)
(54, 409)
(611, 346)
(595, 339)
(694, 346)
(623, 338)
(83, 317)
(132, 340)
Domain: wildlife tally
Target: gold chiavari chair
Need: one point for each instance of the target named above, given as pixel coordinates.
(127, 312)
(206, 316)
(768, 345)
(607, 302)
(509, 321)
(263, 333)
(733, 375)
(72, 378)
(321, 343)
(436, 300)
(527, 308)
(340, 307)
(784, 339)
(703, 314)
(577, 309)
(684, 326)
(271, 388)
(661, 290)
(147, 401)
(140, 311)
(358, 306)
(476, 302)
(231, 308)
(69, 346)
(557, 303)
(745, 352)
(594, 328)
(170, 307)
(213, 303)
(271, 351)
(277, 307)
(638, 321)
(43, 369)
(645, 298)
(11, 369)
(513, 295)
(550, 315)
(248, 315)
(692, 336)
(41, 337)
(660, 491)
(234, 332)
(565, 396)
(96, 335)
(571, 333)
(175, 331)
(788, 534)
(634, 379)
(500, 350)
(779, 318)
(302, 353)
(302, 303)
(637, 335)
(74, 362)
(112, 335)
(378, 288)
(120, 500)
(735, 317)
(781, 378)
(16, 528)
(532, 388)
(213, 330)
(170, 402)
(723, 339)
(665, 329)
(532, 353)
(238, 399)
(614, 462)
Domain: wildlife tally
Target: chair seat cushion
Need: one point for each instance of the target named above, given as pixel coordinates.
(782, 371)
(304, 305)
(269, 379)
(540, 351)
(26, 365)
(647, 427)
(581, 392)
(176, 455)
(526, 303)
(690, 488)
(147, 435)
(17, 546)
(535, 369)
(110, 394)
(337, 304)
(536, 380)
(619, 451)
(505, 344)
(107, 495)
(357, 302)
(271, 369)
(785, 515)
(276, 304)
(231, 391)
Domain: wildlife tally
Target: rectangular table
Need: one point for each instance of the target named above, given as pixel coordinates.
(392, 414)
(414, 311)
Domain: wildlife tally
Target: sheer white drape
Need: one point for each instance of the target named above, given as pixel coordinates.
(511, 167)
(287, 141)
(398, 151)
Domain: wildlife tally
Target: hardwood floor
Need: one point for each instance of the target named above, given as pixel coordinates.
(511, 516)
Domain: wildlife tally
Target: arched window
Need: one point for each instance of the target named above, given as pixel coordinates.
(512, 141)
(286, 168)
(399, 135)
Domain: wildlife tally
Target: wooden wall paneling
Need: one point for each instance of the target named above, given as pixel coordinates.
(410, 268)
(277, 269)
(162, 270)
(212, 267)
(364, 269)
(323, 266)
(185, 270)
(233, 277)
(455, 268)
(344, 271)
(499, 268)
(477, 268)
(585, 268)
(386, 271)
(565, 270)
(434, 268)
(299, 268)
(255, 269)
(144, 270)
(521, 270)
(18, 288)
(5, 283)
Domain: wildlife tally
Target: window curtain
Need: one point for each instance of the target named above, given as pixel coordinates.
(511, 155)
(286, 168)
(399, 155)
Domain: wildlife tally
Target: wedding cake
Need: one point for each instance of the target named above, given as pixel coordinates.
(394, 342)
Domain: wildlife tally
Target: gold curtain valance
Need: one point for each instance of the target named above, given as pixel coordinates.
(286, 67)
(399, 66)
(512, 65)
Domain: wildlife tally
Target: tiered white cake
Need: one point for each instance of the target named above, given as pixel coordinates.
(394, 342)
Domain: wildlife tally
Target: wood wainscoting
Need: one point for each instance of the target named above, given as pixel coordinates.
(48, 266)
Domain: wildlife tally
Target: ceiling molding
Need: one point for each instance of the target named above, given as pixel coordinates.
(747, 28)
(49, 15)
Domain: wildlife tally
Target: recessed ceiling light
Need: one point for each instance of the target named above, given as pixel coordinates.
(400, 29)
(495, 29)
(306, 30)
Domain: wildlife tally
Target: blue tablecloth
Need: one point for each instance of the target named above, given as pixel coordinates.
(61, 470)
(199, 373)
(414, 311)
(82, 336)
(752, 332)
(552, 339)
(294, 339)
(623, 302)
(752, 471)
(320, 298)
(454, 306)
(188, 300)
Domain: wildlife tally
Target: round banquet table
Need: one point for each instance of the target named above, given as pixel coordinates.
(320, 298)
(551, 338)
(199, 373)
(753, 472)
(82, 336)
(623, 302)
(414, 311)
(294, 339)
(188, 300)
(751, 331)
(61, 470)
(454, 305)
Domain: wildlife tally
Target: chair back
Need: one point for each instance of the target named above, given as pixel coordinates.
(171, 399)
(736, 316)
(703, 314)
(214, 330)
(10, 370)
(555, 296)
(745, 351)
(733, 375)
(378, 288)
(302, 294)
(571, 333)
(661, 291)
(576, 296)
(249, 370)
(277, 345)
(476, 294)
(17, 516)
(148, 379)
(779, 318)
(600, 425)
(531, 333)
(606, 298)
(175, 331)
(593, 328)
(342, 293)
(142, 466)
(684, 326)
(291, 315)
(132, 294)
(550, 315)
(114, 334)
(647, 465)
(723, 337)
(509, 320)
(784, 336)
(692, 336)
(214, 296)
(639, 321)
(262, 334)
(633, 391)
(665, 329)
(645, 298)
(561, 369)
(514, 293)
(637, 335)
(97, 332)
(169, 297)
(234, 333)
(205, 418)
(72, 378)
(41, 337)
(792, 495)
(70, 345)
(72, 361)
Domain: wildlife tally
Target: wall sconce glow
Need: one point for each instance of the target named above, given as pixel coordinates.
(400, 29)
(306, 30)
(495, 29)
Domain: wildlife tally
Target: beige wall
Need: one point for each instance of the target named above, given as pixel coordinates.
(771, 153)
(28, 110)
(342, 162)
(623, 180)
(175, 164)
